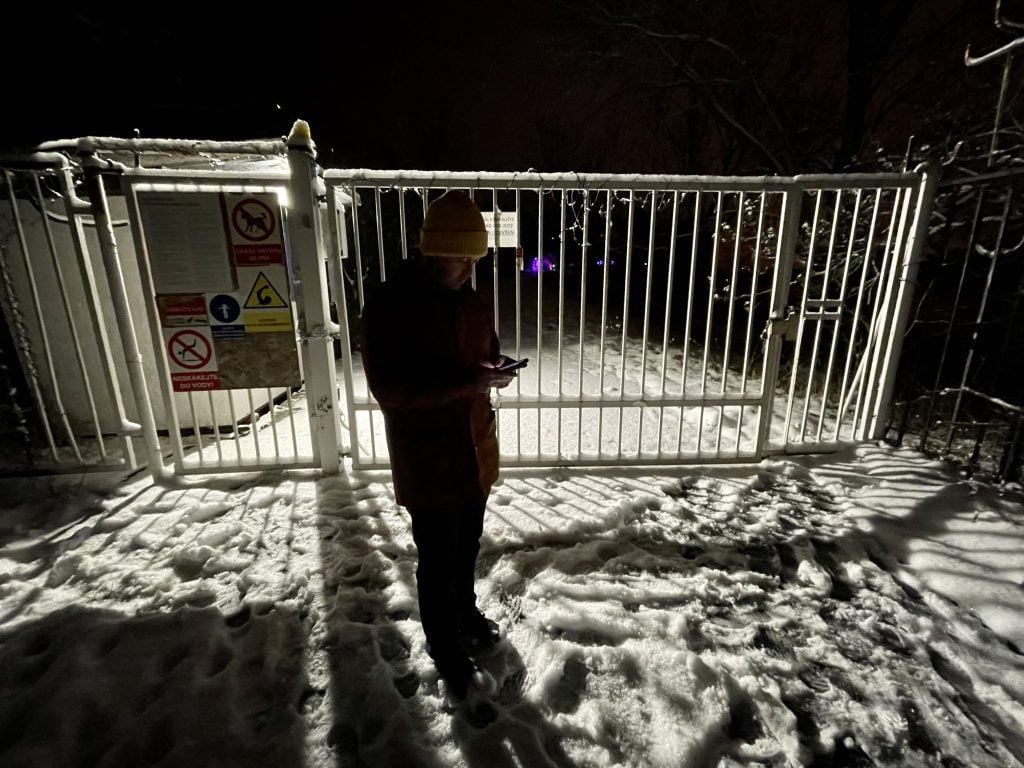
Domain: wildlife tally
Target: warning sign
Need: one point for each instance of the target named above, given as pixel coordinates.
(254, 224)
(267, 322)
(263, 295)
(195, 382)
(191, 350)
(253, 219)
(227, 320)
(181, 309)
(192, 360)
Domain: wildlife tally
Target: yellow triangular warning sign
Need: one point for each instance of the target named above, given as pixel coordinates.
(263, 295)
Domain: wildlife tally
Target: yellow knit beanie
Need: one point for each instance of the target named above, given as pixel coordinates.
(453, 227)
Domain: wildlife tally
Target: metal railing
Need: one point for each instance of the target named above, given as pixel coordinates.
(960, 394)
(53, 285)
(210, 431)
(641, 301)
(668, 319)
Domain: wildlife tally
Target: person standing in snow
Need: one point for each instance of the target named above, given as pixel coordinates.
(430, 354)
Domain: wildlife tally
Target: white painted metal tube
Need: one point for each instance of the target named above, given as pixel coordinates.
(624, 343)
(540, 298)
(44, 339)
(74, 208)
(839, 320)
(668, 313)
(710, 313)
(820, 319)
(647, 315)
(607, 182)
(340, 250)
(605, 267)
(730, 312)
(122, 311)
(93, 144)
(690, 291)
(647, 292)
(561, 310)
(583, 314)
(291, 421)
(380, 235)
(216, 427)
(871, 345)
(625, 311)
(149, 293)
(845, 393)
(306, 243)
(885, 315)
(254, 423)
(519, 320)
(755, 273)
(273, 424)
(908, 276)
(72, 325)
(785, 253)
(196, 431)
(793, 380)
(402, 227)
(357, 247)
(234, 426)
(496, 255)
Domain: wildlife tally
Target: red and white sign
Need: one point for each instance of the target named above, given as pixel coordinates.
(255, 228)
(177, 309)
(195, 382)
(253, 219)
(192, 360)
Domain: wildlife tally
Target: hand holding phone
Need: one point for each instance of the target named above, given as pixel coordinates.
(506, 364)
(499, 372)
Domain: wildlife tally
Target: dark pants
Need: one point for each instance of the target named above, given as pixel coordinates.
(448, 540)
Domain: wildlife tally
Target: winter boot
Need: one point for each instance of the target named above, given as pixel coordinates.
(477, 633)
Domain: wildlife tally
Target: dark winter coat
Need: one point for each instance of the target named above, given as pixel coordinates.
(421, 345)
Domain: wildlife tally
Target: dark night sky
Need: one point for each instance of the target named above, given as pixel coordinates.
(454, 84)
(449, 85)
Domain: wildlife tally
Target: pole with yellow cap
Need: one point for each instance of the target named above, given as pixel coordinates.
(315, 326)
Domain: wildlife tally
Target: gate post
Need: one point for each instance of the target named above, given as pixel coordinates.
(315, 327)
(907, 277)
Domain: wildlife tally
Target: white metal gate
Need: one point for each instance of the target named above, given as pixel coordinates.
(240, 428)
(84, 319)
(668, 319)
(52, 282)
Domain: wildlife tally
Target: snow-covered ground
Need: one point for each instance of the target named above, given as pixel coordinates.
(858, 609)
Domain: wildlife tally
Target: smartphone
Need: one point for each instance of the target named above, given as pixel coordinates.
(512, 365)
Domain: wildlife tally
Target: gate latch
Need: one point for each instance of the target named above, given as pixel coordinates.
(786, 327)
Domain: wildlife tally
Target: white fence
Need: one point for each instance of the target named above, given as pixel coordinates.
(667, 319)
(211, 430)
(72, 391)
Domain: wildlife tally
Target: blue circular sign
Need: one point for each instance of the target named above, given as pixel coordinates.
(224, 308)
